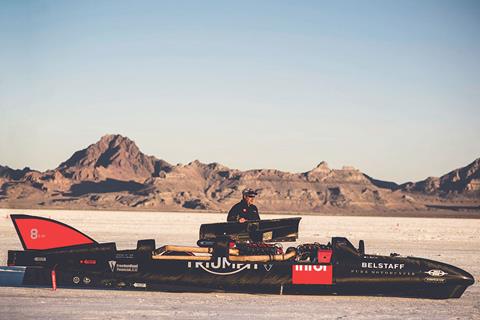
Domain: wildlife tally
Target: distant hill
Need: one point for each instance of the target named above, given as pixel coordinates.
(465, 181)
(114, 174)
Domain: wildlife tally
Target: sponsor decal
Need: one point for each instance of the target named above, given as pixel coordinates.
(139, 285)
(312, 274)
(88, 261)
(436, 273)
(124, 256)
(435, 280)
(385, 272)
(268, 267)
(127, 267)
(112, 264)
(221, 267)
(383, 265)
(267, 235)
(40, 259)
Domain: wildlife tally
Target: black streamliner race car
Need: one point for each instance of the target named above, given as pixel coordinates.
(236, 257)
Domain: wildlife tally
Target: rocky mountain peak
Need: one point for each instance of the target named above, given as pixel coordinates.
(115, 140)
(195, 163)
(114, 157)
(104, 152)
(14, 174)
(461, 180)
(322, 167)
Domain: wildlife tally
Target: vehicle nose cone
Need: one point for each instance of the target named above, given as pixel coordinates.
(465, 277)
(453, 274)
(460, 276)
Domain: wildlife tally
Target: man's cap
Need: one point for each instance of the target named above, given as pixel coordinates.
(249, 192)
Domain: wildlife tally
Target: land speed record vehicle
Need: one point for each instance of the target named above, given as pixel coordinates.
(236, 257)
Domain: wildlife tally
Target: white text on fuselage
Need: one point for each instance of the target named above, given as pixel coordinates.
(382, 265)
(221, 267)
(301, 267)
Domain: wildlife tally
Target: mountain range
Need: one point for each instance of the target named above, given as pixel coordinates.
(114, 174)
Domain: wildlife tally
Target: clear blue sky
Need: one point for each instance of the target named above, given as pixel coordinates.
(390, 87)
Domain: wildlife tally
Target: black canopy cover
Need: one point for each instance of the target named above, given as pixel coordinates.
(273, 230)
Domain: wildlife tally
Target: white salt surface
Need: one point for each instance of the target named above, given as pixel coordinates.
(454, 241)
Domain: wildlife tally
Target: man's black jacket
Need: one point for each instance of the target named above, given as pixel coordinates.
(243, 210)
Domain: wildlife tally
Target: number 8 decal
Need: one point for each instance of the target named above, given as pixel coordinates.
(34, 234)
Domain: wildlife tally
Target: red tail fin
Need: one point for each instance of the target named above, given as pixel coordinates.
(37, 233)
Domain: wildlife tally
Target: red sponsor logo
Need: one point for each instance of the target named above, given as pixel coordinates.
(312, 274)
(88, 261)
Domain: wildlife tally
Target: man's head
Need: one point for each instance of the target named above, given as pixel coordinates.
(249, 195)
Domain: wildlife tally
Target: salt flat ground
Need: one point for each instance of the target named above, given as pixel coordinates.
(454, 241)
